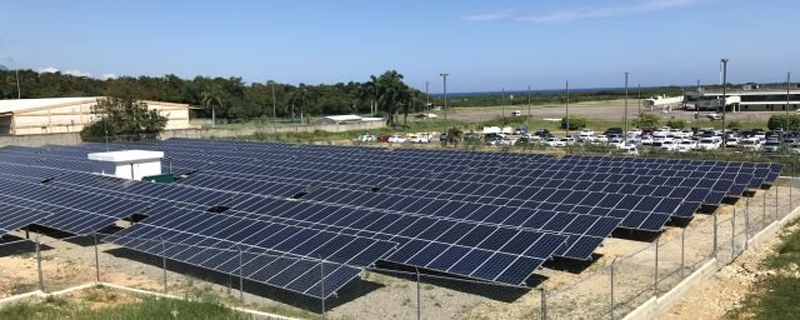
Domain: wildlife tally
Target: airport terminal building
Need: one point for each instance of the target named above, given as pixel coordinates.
(746, 98)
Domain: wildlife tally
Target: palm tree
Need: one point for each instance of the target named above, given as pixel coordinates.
(213, 95)
(390, 91)
(454, 136)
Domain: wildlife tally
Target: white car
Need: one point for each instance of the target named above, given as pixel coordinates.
(686, 145)
(396, 139)
(708, 144)
(551, 141)
(601, 138)
(420, 138)
(732, 142)
(647, 140)
(714, 116)
(635, 132)
(671, 145)
(629, 149)
(750, 144)
(366, 138)
(563, 142)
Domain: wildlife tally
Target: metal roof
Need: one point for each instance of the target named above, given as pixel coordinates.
(11, 106)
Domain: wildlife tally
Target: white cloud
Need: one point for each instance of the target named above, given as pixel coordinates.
(109, 76)
(499, 15)
(589, 12)
(47, 70)
(78, 73)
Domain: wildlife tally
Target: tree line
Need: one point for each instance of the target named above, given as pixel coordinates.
(231, 98)
(385, 94)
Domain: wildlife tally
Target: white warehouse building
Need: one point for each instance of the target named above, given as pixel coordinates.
(64, 115)
(746, 99)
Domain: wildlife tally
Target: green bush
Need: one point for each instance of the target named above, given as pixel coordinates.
(574, 123)
(676, 123)
(779, 121)
(646, 120)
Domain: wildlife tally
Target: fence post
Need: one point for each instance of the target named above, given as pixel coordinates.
(544, 303)
(612, 268)
(764, 210)
(747, 224)
(241, 275)
(96, 258)
(714, 242)
(733, 234)
(419, 306)
(164, 261)
(776, 204)
(39, 263)
(655, 282)
(683, 253)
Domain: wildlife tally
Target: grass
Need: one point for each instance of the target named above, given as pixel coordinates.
(149, 308)
(775, 296)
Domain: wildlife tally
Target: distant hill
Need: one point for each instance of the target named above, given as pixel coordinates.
(3, 68)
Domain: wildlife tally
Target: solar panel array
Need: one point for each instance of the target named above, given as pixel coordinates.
(494, 217)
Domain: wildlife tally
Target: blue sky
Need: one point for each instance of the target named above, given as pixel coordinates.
(484, 45)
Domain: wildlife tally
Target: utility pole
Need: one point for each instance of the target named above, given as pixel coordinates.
(567, 109)
(529, 102)
(788, 88)
(274, 103)
(444, 85)
(503, 102)
(724, 101)
(625, 117)
(640, 106)
(427, 98)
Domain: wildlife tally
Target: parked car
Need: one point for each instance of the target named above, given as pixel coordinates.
(613, 131)
(563, 142)
(367, 138)
(686, 145)
(707, 144)
(383, 138)
(647, 140)
(671, 145)
(397, 139)
(635, 132)
(629, 149)
(542, 132)
(516, 113)
(714, 116)
(420, 138)
(771, 146)
(749, 144)
(472, 136)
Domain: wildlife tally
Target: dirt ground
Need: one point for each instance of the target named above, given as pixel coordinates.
(726, 290)
(612, 110)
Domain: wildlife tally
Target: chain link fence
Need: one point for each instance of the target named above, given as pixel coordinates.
(627, 271)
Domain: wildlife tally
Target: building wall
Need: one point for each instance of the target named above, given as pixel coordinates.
(72, 118)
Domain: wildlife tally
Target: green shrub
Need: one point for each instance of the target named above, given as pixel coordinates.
(676, 123)
(779, 121)
(646, 120)
(574, 123)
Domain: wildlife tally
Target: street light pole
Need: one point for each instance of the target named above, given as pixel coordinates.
(444, 85)
(625, 117)
(529, 102)
(274, 103)
(639, 125)
(427, 98)
(788, 87)
(503, 102)
(567, 109)
(724, 101)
